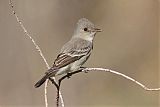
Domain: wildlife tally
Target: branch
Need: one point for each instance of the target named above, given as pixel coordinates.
(123, 75)
(38, 50)
(86, 70)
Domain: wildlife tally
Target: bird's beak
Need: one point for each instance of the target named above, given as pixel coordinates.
(97, 30)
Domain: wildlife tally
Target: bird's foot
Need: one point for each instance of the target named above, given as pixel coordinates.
(69, 75)
(82, 68)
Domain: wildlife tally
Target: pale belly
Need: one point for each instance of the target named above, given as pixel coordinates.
(72, 67)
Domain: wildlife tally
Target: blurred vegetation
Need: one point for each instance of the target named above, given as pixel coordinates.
(128, 44)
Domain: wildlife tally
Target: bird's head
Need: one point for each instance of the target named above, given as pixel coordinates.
(86, 29)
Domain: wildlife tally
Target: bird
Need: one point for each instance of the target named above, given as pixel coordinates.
(75, 52)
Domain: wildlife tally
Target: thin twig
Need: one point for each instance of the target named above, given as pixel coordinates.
(123, 75)
(39, 50)
(106, 70)
(58, 90)
(59, 83)
(45, 93)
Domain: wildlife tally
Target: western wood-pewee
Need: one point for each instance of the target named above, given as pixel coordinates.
(75, 52)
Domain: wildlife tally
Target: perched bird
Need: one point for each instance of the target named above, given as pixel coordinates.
(75, 52)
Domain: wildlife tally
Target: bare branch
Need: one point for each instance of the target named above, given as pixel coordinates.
(123, 75)
(45, 93)
(38, 49)
(83, 69)
(27, 34)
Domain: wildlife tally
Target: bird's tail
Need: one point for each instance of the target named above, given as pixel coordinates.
(51, 72)
(41, 81)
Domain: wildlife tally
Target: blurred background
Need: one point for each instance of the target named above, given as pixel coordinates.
(129, 44)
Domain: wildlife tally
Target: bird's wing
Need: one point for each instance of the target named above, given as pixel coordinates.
(64, 59)
(71, 53)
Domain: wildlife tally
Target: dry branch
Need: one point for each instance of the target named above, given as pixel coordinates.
(40, 53)
(84, 69)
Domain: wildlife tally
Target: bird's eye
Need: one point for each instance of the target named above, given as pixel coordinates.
(85, 29)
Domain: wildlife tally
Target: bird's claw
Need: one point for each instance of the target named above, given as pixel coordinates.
(69, 75)
(82, 68)
(85, 71)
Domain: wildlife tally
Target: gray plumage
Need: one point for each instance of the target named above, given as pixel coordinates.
(75, 52)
